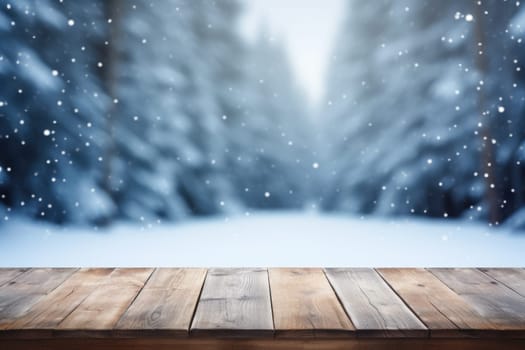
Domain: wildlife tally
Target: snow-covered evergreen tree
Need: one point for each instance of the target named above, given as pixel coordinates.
(409, 100)
(514, 150)
(143, 110)
(173, 80)
(51, 109)
(271, 159)
(145, 79)
(204, 125)
(217, 79)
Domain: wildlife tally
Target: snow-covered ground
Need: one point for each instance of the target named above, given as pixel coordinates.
(265, 239)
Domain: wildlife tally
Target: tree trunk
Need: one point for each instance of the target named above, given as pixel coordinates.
(488, 164)
(114, 12)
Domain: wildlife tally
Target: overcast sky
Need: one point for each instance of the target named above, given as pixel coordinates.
(308, 27)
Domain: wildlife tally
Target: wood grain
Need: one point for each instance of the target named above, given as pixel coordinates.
(442, 310)
(305, 305)
(165, 305)
(512, 278)
(102, 309)
(495, 302)
(25, 290)
(7, 275)
(234, 303)
(375, 310)
(153, 309)
(51, 309)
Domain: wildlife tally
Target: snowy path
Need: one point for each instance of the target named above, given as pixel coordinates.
(265, 239)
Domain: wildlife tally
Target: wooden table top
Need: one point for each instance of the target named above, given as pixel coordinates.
(258, 303)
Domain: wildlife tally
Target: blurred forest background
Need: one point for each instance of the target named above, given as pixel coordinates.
(161, 110)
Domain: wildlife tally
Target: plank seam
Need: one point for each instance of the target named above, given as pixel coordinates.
(20, 273)
(75, 270)
(404, 302)
(440, 280)
(271, 300)
(444, 315)
(30, 320)
(461, 295)
(76, 307)
(134, 298)
(339, 300)
(452, 289)
(192, 319)
(500, 282)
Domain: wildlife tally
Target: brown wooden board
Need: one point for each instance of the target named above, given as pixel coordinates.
(375, 310)
(512, 278)
(165, 305)
(304, 305)
(25, 290)
(442, 310)
(264, 344)
(7, 275)
(234, 303)
(311, 308)
(101, 310)
(495, 302)
(52, 308)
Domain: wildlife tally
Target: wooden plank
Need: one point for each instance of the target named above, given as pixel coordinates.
(304, 305)
(512, 278)
(165, 305)
(234, 303)
(443, 311)
(7, 275)
(102, 309)
(55, 306)
(43, 304)
(19, 295)
(264, 344)
(494, 301)
(375, 310)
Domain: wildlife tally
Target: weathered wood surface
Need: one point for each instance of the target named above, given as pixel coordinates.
(166, 303)
(107, 308)
(101, 310)
(512, 278)
(374, 308)
(236, 303)
(304, 304)
(52, 308)
(443, 311)
(8, 275)
(494, 301)
(18, 296)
